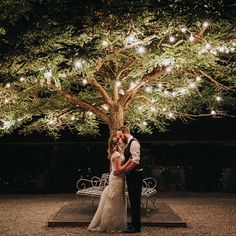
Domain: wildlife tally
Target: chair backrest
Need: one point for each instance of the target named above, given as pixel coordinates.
(104, 180)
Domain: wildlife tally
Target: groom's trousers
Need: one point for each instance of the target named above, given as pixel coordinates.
(134, 184)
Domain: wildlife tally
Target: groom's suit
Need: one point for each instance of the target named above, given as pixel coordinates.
(134, 181)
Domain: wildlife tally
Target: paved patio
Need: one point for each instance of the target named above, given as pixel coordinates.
(205, 214)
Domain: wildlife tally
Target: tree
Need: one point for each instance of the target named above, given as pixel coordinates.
(141, 68)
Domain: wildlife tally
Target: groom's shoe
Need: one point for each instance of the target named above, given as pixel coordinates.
(131, 230)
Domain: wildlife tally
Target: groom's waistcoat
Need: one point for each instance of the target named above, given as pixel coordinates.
(128, 154)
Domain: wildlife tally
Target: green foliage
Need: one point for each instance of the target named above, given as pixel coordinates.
(61, 72)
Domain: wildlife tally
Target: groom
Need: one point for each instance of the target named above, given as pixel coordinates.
(134, 176)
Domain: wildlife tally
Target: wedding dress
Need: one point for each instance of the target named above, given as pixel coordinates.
(111, 214)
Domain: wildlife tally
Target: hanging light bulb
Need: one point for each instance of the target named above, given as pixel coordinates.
(192, 85)
(145, 123)
(218, 98)
(170, 115)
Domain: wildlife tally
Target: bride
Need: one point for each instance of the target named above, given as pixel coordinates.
(111, 214)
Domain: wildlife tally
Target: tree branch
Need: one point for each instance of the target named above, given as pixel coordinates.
(72, 98)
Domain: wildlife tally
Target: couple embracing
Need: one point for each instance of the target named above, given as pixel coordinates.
(111, 214)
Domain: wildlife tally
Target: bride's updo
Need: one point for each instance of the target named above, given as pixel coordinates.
(113, 145)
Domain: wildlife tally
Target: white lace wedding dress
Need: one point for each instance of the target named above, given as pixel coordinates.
(111, 214)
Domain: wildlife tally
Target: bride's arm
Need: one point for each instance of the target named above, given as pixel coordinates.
(121, 168)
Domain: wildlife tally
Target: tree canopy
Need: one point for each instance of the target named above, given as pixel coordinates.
(66, 65)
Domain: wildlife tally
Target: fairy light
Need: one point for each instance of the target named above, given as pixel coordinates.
(183, 30)
(6, 101)
(172, 39)
(191, 38)
(48, 74)
(205, 24)
(173, 94)
(198, 78)
(78, 64)
(118, 83)
(145, 123)
(122, 92)
(22, 79)
(170, 115)
(153, 100)
(213, 112)
(221, 49)
(6, 124)
(153, 109)
(141, 50)
(218, 98)
(51, 121)
(132, 85)
(164, 109)
(207, 45)
(182, 90)
(105, 43)
(148, 89)
(159, 85)
(105, 107)
(168, 69)
(85, 81)
(8, 85)
(72, 118)
(131, 38)
(232, 49)
(192, 85)
(166, 92)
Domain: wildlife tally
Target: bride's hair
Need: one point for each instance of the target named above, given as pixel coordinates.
(113, 145)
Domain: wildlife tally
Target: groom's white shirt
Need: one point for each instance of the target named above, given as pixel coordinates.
(134, 150)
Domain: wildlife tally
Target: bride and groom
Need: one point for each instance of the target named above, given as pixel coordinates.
(111, 214)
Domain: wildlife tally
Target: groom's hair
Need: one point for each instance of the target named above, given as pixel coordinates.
(124, 129)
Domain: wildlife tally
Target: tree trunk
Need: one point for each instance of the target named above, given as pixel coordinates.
(117, 119)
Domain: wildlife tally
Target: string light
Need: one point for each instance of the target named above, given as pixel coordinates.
(22, 79)
(105, 43)
(182, 90)
(72, 118)
(207, 46)
(105, 107)
(205, 24)
(78, 64)
(170, 115)
(6, 100)
(6, 124)
(131, 38)
(141, 50)
(85, 81)
(172, 39)
(145, 123)
(192, 85)
(153, 109)
(121, 92)
(132, 85)
(213, 112)
(183, 30)
(218, 98)
(8, 85)
(159, 85)
(148, 89)
(191, 38)
(118, 83)
(51, 121)
(48, 74)
(198, 78)
(168, 69)
(164, 109)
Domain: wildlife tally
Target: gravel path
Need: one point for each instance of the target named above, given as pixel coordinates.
(205, 214)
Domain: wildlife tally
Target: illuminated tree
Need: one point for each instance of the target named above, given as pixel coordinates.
(142, 69)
